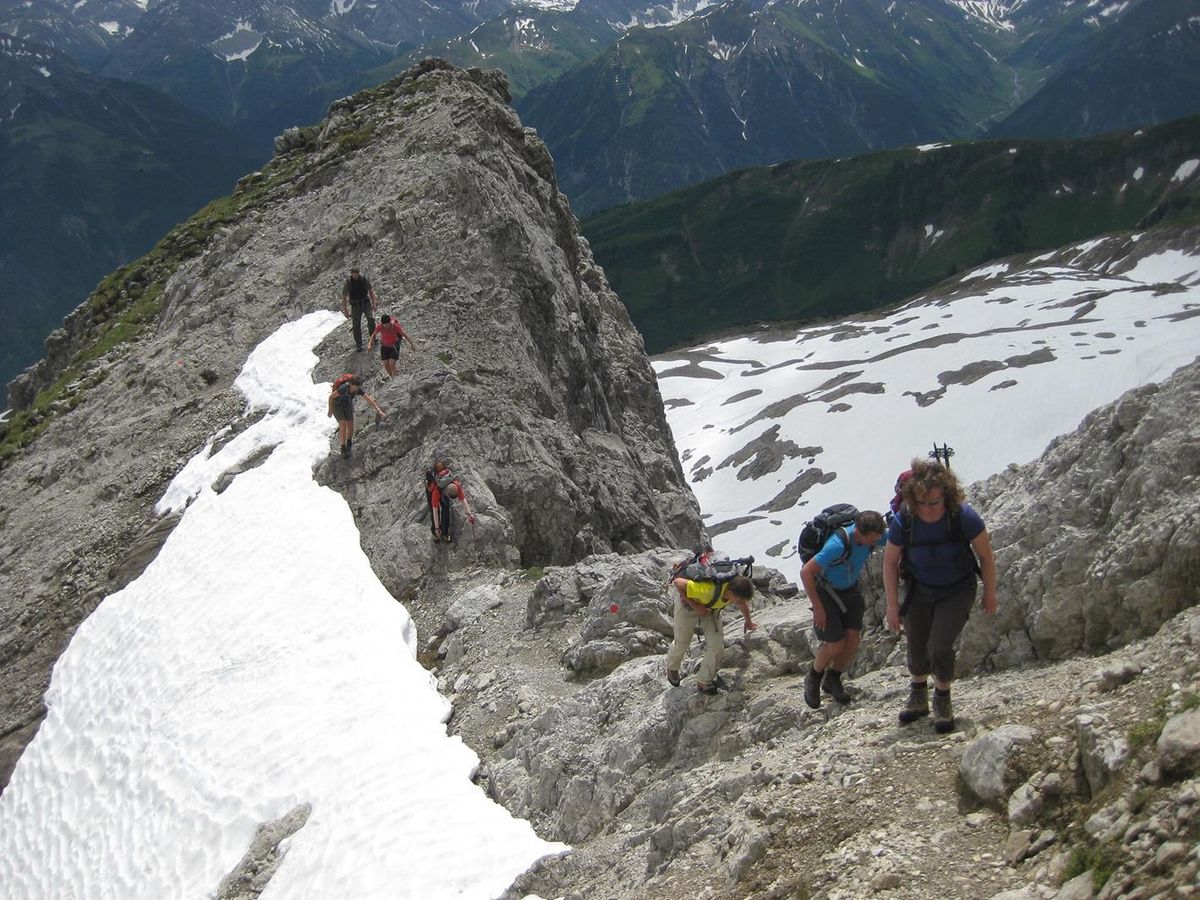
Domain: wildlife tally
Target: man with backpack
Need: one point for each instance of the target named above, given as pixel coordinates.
(941, 544)
(830, 579)
(359, 300)
(700, 603)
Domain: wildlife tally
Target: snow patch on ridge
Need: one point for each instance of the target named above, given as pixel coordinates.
(255, 665)
(1014, 355)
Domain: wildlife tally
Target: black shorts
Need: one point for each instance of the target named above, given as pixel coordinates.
(837, 623)
(392, 352)
(343, 410)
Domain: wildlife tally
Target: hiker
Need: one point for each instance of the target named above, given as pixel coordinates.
(831, 581)
(341, 407)
(933, 537)
(390, 334)
(701, 602)
(358, 300)
(441, 487)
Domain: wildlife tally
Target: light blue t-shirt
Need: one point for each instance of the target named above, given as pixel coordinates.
(845, 574)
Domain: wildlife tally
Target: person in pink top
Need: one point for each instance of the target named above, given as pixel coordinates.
(390, 334)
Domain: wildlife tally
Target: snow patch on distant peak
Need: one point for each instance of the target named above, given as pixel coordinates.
(45, 73)
(996, 13)
(341, 7)
(924, 148)
(1186, 170)
(113, 28)
(554, 5)
(239, 43)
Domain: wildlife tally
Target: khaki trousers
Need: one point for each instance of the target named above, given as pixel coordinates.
(714, 640)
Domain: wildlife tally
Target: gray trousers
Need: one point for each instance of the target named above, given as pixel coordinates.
(932, 624)
(686, 619)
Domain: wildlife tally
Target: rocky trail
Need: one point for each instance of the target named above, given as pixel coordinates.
(841, 802)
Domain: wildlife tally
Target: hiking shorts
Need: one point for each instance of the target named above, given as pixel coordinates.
(343, 410)
(392, 352)
(837, 623)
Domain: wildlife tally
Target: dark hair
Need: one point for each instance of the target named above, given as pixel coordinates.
(869, 522)
(356, 380)
(741, 586)
(385, 318)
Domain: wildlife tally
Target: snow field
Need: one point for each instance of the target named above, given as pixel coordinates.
(257, 664)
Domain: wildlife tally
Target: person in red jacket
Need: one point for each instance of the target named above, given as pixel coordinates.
(441, 487)
(390, 334)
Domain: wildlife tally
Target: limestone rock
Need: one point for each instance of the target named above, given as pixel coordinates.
(471, 605)
(984, 768)
(529, 377)
(1101, 752)
(1179, 743)
(1078, 888)
(1085, 562)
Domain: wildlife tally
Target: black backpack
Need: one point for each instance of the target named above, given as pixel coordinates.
(817, 531)
(705, 565)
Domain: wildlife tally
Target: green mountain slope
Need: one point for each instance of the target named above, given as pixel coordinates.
(92, 172)
(1144, 72)
(830, 237)
(740, 85)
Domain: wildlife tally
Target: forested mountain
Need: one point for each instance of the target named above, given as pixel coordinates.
(93, 171)
(831, 237)
(751, 83)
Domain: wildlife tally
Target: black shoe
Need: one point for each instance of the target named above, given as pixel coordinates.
(673, 677)
(917, 705)
(831, 684)
(943, 713)
(812, 689)
(717, 684)
(345, 451)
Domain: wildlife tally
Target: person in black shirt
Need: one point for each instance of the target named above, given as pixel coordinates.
(358, 298)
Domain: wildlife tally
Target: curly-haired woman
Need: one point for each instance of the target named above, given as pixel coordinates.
(941, 544)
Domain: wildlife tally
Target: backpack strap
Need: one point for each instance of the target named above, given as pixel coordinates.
(957, 535)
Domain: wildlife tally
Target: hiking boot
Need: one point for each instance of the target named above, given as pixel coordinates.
(345, 451)
(673, 677)
(831, 684)
(943, 713)
(812, 689)
(917, 705)
(713, 686)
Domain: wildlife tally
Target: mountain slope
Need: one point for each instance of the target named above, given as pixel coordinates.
(739, 85)
(775, 425)
(1144, 72)
(819, 239)
(92, 171)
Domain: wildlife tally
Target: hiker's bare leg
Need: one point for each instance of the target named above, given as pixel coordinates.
(828, 653)
(845, 656)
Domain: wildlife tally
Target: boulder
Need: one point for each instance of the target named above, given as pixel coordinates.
(984, 769)
(1179, 743)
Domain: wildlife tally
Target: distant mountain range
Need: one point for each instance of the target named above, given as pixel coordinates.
(634, 98)
(832, 237)
(93, 171)
(748, 83)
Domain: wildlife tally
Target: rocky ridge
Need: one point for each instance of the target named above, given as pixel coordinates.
(529, 377)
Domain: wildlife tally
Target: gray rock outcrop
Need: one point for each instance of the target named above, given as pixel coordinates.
(529, 378)
(1098, 541)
